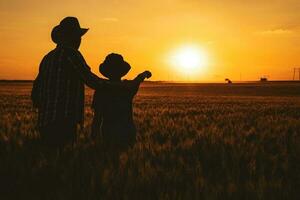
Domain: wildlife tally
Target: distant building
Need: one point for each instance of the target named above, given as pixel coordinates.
(228, 80)
(263, 79)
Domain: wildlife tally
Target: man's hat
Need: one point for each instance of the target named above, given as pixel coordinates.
(69, 27)
(114, 66)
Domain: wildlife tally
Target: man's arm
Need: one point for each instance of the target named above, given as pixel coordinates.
(36, 86)
(35, 96)
(79, 65)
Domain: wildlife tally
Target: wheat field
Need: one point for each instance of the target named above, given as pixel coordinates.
(194, 141)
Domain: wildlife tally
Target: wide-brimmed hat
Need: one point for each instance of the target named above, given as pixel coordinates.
(114, 66)
(68, 28)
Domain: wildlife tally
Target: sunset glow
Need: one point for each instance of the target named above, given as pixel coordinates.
(188, 59)
(236, 39)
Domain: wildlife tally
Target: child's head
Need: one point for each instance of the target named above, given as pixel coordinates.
(114, 67)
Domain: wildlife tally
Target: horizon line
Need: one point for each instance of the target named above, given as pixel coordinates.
(168, 81)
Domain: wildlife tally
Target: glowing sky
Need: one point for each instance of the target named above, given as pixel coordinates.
(243, 39)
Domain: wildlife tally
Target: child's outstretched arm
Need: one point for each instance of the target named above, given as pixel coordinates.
(139, 79)
(142, 76)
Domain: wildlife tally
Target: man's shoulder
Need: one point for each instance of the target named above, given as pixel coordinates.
(53, 53)
(62, 54)
(63, 51)
(49, 54)
(71, 52)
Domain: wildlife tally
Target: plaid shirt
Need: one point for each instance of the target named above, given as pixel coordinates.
(58, 90)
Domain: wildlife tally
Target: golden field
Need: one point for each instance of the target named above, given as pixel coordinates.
(195, 141)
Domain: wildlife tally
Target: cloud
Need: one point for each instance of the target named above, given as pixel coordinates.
(275, 32)
(110, 19)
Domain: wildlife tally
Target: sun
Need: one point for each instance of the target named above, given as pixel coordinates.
(189, 59)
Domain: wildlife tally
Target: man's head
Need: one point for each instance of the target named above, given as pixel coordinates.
(68, 33)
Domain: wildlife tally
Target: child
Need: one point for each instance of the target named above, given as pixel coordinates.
(113, 111)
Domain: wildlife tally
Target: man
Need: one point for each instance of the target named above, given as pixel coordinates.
(58, 90)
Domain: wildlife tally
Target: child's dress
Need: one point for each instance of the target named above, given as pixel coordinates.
(113, 114)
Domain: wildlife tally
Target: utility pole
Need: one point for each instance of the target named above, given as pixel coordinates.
(296, 69)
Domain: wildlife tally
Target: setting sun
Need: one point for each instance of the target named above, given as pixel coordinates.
(189, 59)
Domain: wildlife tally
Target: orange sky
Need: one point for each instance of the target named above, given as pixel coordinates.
(242, 39)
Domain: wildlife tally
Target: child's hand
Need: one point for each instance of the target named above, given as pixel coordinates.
(147, 74)
(141, 77)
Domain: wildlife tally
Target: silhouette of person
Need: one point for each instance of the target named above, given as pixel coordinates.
(58, 90)
(113, 111)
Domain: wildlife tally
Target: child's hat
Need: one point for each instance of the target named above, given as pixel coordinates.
(114, 66)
